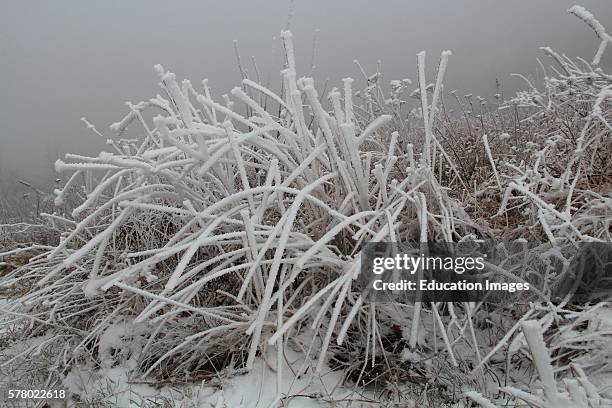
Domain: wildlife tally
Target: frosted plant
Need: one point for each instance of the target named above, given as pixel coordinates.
(599, 29)
(225, 229)
(578, 392)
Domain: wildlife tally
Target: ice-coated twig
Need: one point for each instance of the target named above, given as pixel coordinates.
(599, 29)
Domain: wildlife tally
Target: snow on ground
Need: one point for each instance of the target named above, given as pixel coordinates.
(255, 389)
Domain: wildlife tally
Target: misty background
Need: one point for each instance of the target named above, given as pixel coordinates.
(68, 59)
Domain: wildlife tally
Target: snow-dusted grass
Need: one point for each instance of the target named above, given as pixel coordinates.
(578, 392)
(230, 229)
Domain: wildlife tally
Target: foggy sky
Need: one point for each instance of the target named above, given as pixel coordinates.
(61, 60)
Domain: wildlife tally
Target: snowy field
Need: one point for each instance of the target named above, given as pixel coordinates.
(211, 255)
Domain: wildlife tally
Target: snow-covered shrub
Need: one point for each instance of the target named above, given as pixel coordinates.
(228, 228)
